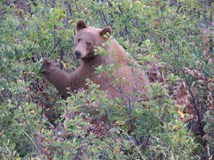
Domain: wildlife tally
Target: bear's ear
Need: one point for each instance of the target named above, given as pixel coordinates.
(81, 25)
(106, 32)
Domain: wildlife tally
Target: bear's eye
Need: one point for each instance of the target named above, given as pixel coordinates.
(78, 40)
(89, 44)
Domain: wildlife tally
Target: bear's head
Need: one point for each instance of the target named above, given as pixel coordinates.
(87, 39)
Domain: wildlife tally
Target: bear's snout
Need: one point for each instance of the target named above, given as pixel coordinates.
(77, 54)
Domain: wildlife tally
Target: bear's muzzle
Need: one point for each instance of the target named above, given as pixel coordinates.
(78, 54)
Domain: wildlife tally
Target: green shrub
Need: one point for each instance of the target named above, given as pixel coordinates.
(172, 40)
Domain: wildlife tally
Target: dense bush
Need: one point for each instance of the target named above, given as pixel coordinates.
(172, 40)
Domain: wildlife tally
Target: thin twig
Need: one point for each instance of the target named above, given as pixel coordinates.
(67, 8)
(32, 142)
(138, 150)
(195, 105)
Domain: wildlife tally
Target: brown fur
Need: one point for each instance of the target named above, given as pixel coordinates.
(87, 39)
(56, 76)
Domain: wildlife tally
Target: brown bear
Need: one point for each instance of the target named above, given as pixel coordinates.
(87, 40)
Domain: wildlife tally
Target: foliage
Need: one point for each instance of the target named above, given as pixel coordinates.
(172, 40)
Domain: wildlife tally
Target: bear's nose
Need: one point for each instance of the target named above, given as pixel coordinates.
(77, 54)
